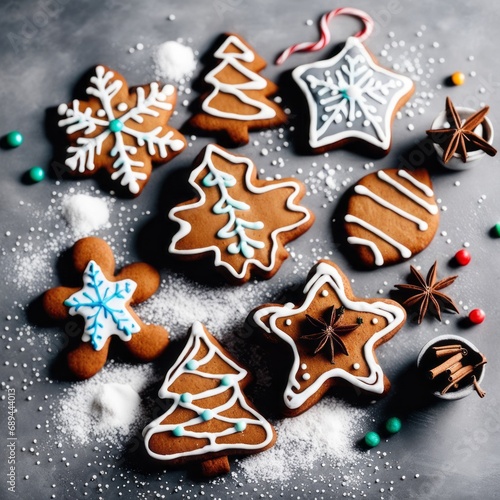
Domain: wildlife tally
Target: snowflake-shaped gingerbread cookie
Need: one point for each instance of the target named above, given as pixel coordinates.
(351, 98)
(120, 130)
(331, 336)
(104, 306)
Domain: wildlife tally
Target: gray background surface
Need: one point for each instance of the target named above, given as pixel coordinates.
(45, 47)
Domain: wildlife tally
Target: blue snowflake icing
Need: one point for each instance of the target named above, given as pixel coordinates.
(103, 306)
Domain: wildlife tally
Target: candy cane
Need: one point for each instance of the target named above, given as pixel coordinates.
(325, 32)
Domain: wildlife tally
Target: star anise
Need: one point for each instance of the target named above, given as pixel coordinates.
(461, 135)
(427, 291)
(329, 334)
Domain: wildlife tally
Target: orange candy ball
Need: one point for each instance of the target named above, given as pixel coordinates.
(458, 78)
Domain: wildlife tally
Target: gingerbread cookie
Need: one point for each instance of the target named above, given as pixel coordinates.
(391, 216)
(351, 98)
(238, 100)
(210, 417)
(244, 222)
(331, 335)
(120, 130)
(104, 303)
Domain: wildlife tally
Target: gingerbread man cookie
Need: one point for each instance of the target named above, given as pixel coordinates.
(244, 222)
(210, 417)
(104, 303)
(120, 130)
(332, 336)
(238, 99)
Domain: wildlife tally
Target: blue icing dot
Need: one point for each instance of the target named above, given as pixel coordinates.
(192, 364)
(115, 125)
(207, 415)
(186, 397)
(225, 380)
(240, 426)
(178, 431)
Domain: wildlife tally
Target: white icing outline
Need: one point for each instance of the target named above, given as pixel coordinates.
(326, 274)
(256, 82)
(383, 141)
(197, 336)
(185, 227)
(104, 87)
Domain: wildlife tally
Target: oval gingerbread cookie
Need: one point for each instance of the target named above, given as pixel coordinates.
(391, 215)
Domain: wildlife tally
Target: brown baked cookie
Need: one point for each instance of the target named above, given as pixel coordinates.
(352, 99)
(121, 130)
(391, 216)
(210, 417)
(237, 101)
(331, 337)
(104, 302)
(240, 221)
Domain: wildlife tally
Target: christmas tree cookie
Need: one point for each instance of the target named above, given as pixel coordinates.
(120, 130)
(240, 221)
(104, 304)
(238, 97)
(330, 338)
(210, 418)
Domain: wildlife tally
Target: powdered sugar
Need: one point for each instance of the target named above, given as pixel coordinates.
(174, 61)
(85, 214)
(327, 431)
(106, 406)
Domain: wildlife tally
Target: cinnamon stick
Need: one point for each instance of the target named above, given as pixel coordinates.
(479, 391)
(450, 351)
(432, 374)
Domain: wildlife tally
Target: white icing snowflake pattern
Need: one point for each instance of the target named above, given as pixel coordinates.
(78, 118)
(103, 306)
(350, 96)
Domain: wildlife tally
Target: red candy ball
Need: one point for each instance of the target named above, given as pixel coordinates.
(463, 257)
(477, 316)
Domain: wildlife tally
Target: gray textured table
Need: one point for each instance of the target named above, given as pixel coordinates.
(445, 450)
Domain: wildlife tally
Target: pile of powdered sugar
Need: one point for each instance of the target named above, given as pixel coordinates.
(84, 213)
(105, 407)
(327, 432)
(174, 61)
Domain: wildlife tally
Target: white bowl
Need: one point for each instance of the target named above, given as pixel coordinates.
(465, 391)
(484, 129)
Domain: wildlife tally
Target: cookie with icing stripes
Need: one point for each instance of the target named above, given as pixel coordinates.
(391, 215)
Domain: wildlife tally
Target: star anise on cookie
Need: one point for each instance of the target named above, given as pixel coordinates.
(460, 137)
(330, 333)
(427, 291)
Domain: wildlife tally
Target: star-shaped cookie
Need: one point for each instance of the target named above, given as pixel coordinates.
(351, 98)
(314, 372)
(103, 303)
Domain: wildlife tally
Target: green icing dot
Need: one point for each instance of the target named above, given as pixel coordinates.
(186, 397)
(37, 174)
(240, 426)
(115, 125)
(192, 364)
(496, 229)
(178, 431)
(225, 380)
(393, 425)
(207, 415)
(14, 139)
(372, 439)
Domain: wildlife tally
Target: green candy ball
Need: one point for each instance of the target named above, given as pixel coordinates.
(14, 139)
(37, 174)
(393, 425)
(372, 439)
(496, 229)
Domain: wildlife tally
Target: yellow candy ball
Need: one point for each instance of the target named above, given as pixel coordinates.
(458, 78)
